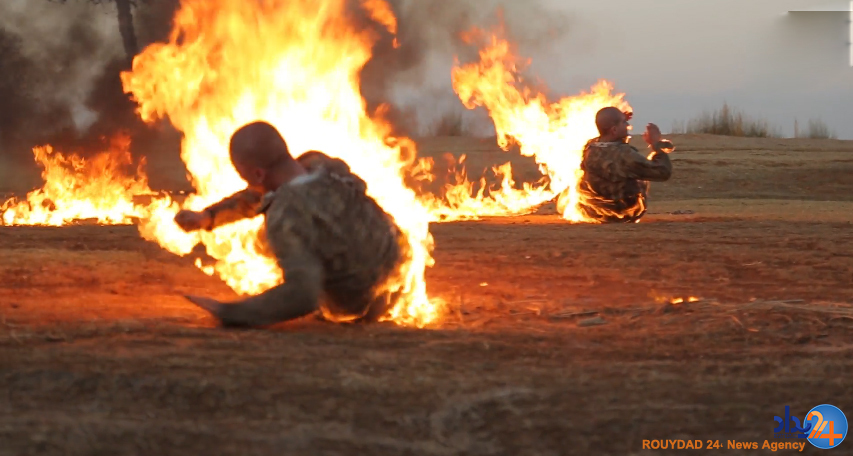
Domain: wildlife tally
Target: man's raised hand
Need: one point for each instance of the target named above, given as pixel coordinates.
(652, 134)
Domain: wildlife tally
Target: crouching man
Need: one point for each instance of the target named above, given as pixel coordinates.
(335, 244)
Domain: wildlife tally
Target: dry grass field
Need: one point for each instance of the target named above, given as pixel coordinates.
(560, 339)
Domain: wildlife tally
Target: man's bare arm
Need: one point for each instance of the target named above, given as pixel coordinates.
(297, 297)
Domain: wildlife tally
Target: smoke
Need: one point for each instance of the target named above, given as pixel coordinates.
(55, 53)
(414, 78)
(60, 63)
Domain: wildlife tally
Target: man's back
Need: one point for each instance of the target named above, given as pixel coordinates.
(327, 214)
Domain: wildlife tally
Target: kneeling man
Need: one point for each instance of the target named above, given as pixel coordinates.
(616, 176)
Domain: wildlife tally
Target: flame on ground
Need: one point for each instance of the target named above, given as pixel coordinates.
(674, 300)
(100, 188)
(553, 133)
(295, 65)
(461, 199)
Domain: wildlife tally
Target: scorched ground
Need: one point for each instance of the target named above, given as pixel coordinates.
(561, 339)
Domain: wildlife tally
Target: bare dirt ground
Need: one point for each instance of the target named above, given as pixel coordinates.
(554, 343)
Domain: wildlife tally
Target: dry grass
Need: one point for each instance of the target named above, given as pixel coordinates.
(100, 368)
(727, 122)
(550, 324)
(817, 129)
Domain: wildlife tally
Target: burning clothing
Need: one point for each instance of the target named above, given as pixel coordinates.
(616, 179)
(334, 243)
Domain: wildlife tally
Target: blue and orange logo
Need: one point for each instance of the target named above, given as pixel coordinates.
(825, 426)
(828, 426)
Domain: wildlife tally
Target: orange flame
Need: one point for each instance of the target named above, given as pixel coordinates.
(674, 300)
(462, 200)
(295, 65)
(554, 133)
(75, 188)
(381, 12)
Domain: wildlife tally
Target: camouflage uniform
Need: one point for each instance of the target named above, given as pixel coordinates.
(335, 244)
(616, 179)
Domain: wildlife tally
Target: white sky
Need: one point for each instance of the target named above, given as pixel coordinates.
(675, 59)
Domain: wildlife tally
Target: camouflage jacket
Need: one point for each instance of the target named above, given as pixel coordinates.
(616, 179)
(334, 243)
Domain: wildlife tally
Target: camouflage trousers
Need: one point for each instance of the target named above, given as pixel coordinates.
(629, 209)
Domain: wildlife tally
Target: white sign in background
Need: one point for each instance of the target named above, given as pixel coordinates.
(845, 7)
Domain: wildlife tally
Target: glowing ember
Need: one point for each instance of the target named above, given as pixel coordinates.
(295, 65)
(100, 188)
(554, 133)
(682, 300)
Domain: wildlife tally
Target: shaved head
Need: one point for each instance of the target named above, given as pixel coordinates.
(612, 124)
(258, 144)
(608, 118)
(260, 156)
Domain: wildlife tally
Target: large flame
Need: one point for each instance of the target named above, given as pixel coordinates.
(554, 133)
(296, 65)
(101, 188)
(461, 199)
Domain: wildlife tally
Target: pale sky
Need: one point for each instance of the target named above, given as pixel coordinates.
(675, 59)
